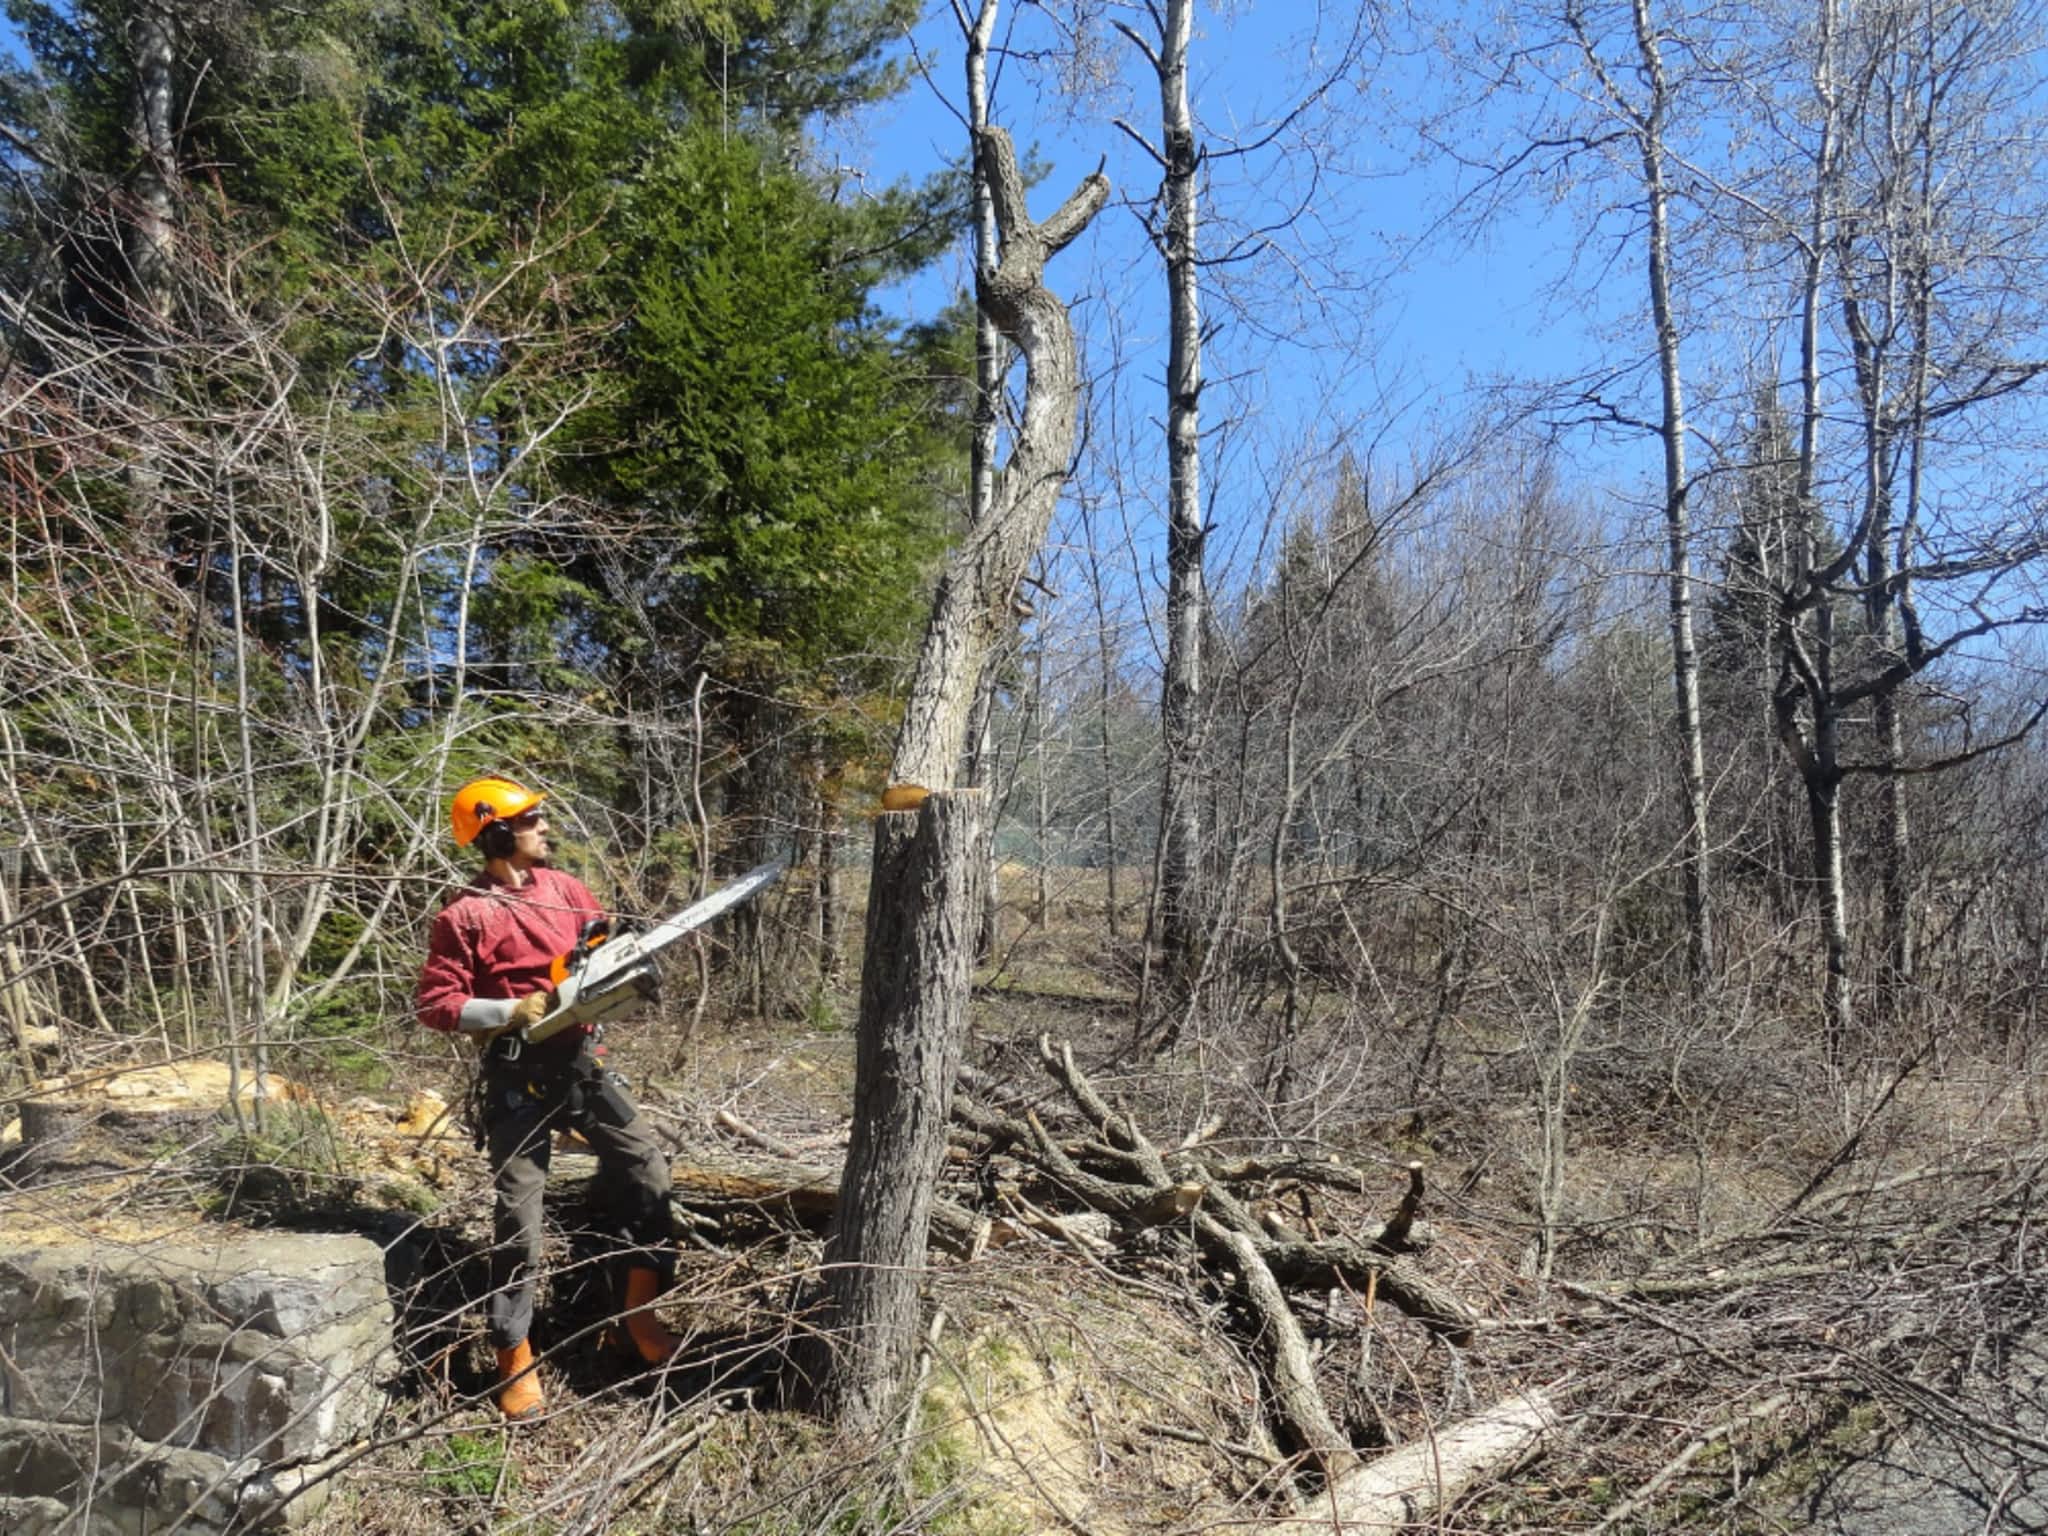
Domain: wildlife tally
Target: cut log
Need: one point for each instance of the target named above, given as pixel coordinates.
(1090, 1231)
(799, 1195)
(1395, 1233)
(1339, 1262)
(1411, 1484)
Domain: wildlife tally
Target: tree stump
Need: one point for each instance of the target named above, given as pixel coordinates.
(923, 909)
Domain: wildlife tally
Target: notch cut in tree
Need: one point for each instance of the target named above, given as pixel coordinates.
(923, 884)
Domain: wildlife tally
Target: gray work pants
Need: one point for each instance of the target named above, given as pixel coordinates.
(525, 1103)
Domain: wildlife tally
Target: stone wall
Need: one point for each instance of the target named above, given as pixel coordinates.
(184, 1380)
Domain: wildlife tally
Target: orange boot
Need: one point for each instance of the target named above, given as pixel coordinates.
(519, 1396)
(646, 1337)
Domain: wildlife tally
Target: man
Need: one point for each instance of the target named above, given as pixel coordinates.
(488, 976)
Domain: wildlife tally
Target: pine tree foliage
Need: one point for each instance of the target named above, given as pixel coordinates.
(435, 388)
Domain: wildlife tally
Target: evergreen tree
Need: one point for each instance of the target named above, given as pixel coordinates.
(359, 286)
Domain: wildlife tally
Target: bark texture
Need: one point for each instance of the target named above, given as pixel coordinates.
(151, 224)
(991, 364)
(924, 908)
(914, 988)
(924, 891)
(972, 609)
(1187, 599)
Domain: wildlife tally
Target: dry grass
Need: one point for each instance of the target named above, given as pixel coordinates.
(1069, 1394)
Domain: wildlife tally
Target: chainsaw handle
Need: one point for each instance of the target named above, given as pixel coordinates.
(595, 931)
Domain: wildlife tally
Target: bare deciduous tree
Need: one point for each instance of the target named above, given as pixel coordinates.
(921, 894)
(1643, 115)
(1180, 808)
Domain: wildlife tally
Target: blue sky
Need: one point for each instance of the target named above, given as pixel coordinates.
(1361, 319)
(1434, 319)
(1438, 314)
(1352, 315)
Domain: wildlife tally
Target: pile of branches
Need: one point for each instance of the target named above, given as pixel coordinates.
(1079, 1171)
(1786, 1365)
(1905, 1304)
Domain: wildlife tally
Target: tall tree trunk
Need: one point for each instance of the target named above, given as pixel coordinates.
(991, 364)
(749, 803)
(1280, 1063)
(831, 909)
(1888, 592)
(982, 769)
(150, 231)
(1901, 941)
(923, 887)
(1806, 620)
(1685, 667)
(1880, 604)
(254, 951)
(20, 998)
(1106, 682)
(1896, 878)
(1042, 799)
(971, 609)
(1823, 801)
(1180, 812)
(916, 976)
(991, 361)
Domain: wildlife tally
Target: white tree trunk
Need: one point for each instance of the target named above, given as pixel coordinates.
(151, 239)
(1411, 1484)
(1180, 820)
(1685, 666)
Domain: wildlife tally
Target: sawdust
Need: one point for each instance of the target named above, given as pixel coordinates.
(1032, 1471)
(421, 1141)
(172, 1085)
(1042, 1419)
(107, 1219)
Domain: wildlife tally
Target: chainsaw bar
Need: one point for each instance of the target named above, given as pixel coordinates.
(646, 945)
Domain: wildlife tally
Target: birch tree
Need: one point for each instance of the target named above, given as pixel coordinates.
(1643, 114)
(1909, 230)
(1179, 158)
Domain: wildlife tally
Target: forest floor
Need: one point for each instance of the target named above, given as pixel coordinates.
(1753, 1312)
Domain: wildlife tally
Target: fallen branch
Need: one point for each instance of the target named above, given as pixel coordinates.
(1303, 1416)
(733, 1125)
(1414, 1482)
(1340, 1262)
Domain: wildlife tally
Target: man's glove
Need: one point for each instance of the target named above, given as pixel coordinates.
(529, 1010)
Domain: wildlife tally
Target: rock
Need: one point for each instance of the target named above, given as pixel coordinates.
(32, 1517)
(185, 1380)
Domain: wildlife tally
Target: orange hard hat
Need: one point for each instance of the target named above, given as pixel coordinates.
(482, 801)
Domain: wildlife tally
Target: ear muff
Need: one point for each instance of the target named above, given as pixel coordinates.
(497, 840)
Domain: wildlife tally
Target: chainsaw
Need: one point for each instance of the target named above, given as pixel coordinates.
(609, 972)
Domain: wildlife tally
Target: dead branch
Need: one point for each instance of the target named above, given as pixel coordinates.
(1411, 1484)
